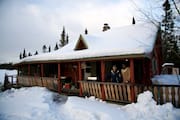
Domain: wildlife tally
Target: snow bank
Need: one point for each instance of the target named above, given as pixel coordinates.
(37, 103)
(166, 79)
(146, 109)
(90, 109)
(8, 72)
(40, 104)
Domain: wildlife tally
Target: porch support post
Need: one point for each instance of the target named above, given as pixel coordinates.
(79, 78)
(102, 79)
(59, 77)
(132, 79)
(42, 73)
(102, 71)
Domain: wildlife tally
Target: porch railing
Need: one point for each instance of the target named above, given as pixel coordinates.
(49, 82)
(120, 92)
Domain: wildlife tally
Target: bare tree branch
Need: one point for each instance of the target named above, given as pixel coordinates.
(176, 6)
(147, 15)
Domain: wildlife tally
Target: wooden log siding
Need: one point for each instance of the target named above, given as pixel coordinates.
(120, 92)
(48, 82)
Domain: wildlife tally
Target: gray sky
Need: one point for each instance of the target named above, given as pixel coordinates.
(30, 24)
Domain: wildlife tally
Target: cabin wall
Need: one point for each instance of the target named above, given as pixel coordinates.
(157, 57)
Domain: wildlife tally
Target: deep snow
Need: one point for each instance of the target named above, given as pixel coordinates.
(41, 104)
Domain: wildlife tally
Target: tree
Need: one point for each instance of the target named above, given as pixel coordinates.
(29, 54)
(49, 49)
(170, 25)
(36, 53)
(24, 53)
(169, 43)
(133, 21)
(56, 47)
(64, 39)
(20, 56)
(67, 39)
(44, 49)
(86, 31)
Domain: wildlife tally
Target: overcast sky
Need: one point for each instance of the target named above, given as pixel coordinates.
(30, 24)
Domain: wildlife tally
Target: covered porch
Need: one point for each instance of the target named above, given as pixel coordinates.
(88, 78)
(65, 77)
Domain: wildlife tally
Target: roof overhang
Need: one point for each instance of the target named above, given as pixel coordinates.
(106, 58)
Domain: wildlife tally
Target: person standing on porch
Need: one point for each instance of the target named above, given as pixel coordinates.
(115, 75)
(125, 71)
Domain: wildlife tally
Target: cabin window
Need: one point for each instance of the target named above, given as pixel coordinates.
(50, 70)
(35, 70)
(23, 70)
(138, 71)
(91, 71)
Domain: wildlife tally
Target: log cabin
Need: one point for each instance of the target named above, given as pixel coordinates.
(82, 65)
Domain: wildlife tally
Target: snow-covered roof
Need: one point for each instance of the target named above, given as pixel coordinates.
(165, 79)
(138, 39)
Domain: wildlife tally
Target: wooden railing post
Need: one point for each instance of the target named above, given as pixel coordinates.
(102, 79)
(59, 78)
(132, 79)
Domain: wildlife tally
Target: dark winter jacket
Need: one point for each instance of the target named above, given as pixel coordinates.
(114, 77)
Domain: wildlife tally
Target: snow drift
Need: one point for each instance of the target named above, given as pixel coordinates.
(39, 103)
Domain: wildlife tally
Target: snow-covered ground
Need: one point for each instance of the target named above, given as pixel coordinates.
(166, 79)
(41, 104)
(8, 72)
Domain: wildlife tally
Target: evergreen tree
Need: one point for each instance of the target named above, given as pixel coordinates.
(67, 39)
(86, 31)
(20, 56)
(133, 21)
(49, 48)
(44, 49)
(36, 53)
(56, 47)
(24, 53)
(29, 54)
(169, 43)
(64, 39)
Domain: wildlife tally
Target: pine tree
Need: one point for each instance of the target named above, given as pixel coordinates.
(67, 39)
(29, 54)
(86, 31)
(20, 56)
(56, 47)
(49, 49)
(24, 53)
(169, 43)
(64, 39)
(44, 49)
(36, 53)
(133, 21)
